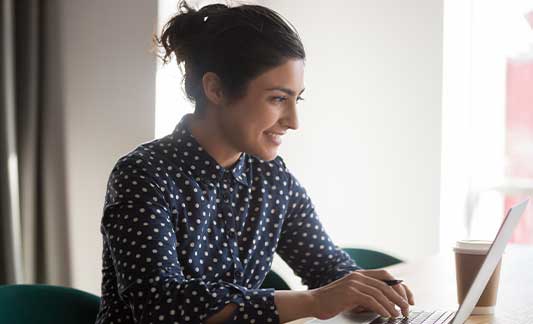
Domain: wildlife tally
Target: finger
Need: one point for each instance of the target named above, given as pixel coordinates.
(401, 291)
(410, 296)
(378, 274)
(378, 296)
(387, 291)
(398, 289)
(370, 303)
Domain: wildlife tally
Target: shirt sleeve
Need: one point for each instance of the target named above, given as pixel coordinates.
(304, 244)
(137, 227)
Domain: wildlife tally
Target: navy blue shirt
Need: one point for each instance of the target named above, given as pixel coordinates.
(183, 236)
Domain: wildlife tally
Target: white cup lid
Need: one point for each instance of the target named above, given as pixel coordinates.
(472, 246)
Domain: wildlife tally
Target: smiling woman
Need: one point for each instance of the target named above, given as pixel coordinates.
(246, 59)
(192, 220)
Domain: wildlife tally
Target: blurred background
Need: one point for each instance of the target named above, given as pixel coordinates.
(420, 111)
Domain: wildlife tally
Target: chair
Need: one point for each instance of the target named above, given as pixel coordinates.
(273, 280)
(46, 304)
(370, 259)
(366, 259)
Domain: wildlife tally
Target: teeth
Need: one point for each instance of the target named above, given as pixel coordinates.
(275, 137)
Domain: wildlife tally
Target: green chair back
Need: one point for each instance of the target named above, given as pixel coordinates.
(370, 259)
(46, 304)
(366, 259)
(273, 280)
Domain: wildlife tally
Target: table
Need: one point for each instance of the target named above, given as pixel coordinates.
(432, 280)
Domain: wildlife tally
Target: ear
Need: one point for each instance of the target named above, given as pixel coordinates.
(213, 88)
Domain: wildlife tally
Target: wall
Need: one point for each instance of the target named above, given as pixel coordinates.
(368, 150)
(368, 147)
(109, 98)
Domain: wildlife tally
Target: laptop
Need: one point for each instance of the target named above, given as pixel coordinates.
(476, 289)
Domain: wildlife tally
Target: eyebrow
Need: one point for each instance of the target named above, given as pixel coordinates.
(286, 90)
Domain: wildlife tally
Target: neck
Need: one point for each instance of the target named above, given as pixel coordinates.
(210, 136)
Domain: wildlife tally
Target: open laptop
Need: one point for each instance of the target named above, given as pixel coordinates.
(476, 289)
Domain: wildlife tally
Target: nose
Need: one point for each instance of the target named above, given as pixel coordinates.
(291, 118)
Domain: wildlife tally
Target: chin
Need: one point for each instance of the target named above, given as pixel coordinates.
(263, 150)
(267, 156)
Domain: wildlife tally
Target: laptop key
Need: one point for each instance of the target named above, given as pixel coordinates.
(446, 318)
(418, 317)
(421, 318)
(435, 316)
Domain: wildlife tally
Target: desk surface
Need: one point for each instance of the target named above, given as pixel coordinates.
(432, 281)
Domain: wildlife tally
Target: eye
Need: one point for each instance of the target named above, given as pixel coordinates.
(279, 99)
(282, 99)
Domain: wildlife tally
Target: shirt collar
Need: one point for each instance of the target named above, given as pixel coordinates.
(198, 163)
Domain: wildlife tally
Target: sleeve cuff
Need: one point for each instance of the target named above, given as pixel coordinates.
(255, 306)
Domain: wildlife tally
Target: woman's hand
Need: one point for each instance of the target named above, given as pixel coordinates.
(401, 289)
(362, 289)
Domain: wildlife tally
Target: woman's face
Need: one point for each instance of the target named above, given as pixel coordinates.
(256, 123)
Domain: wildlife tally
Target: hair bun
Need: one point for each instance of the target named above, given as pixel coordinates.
(211, 9)
(216, 7)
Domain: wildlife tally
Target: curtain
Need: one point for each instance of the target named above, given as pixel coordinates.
(33, 219)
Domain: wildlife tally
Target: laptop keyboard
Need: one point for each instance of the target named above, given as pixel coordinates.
(418, 317)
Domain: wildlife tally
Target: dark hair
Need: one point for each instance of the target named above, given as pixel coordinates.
(236, 43)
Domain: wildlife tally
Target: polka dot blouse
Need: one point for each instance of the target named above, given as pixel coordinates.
(183, 236)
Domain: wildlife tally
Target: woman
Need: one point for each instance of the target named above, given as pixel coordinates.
(192, 220)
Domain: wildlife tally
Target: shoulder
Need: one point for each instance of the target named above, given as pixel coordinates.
(143, 160)
(136, 175)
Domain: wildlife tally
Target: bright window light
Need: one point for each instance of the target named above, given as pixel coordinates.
(171, 103)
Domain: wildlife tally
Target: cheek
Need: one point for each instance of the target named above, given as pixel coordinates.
(265, 122)
(268, 116)
(249, 122)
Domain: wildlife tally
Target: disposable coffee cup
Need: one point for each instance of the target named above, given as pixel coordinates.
(469, 256)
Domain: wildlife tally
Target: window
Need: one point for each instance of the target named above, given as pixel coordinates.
(171, 103)
(487, 117)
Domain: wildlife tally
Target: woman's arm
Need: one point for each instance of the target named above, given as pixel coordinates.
(358, 289)
(291, 306)
(305, 245)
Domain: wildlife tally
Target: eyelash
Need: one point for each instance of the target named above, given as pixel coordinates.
(285, 98)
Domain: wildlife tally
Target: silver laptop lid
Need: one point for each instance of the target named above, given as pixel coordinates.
(491, 261)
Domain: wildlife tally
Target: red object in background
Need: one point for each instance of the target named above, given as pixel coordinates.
(519, 137)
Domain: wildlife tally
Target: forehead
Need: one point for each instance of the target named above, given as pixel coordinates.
(288, 75)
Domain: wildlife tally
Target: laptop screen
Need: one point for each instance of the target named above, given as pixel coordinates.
(491, 261)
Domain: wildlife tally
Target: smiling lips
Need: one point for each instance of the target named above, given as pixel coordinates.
(274, 137)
